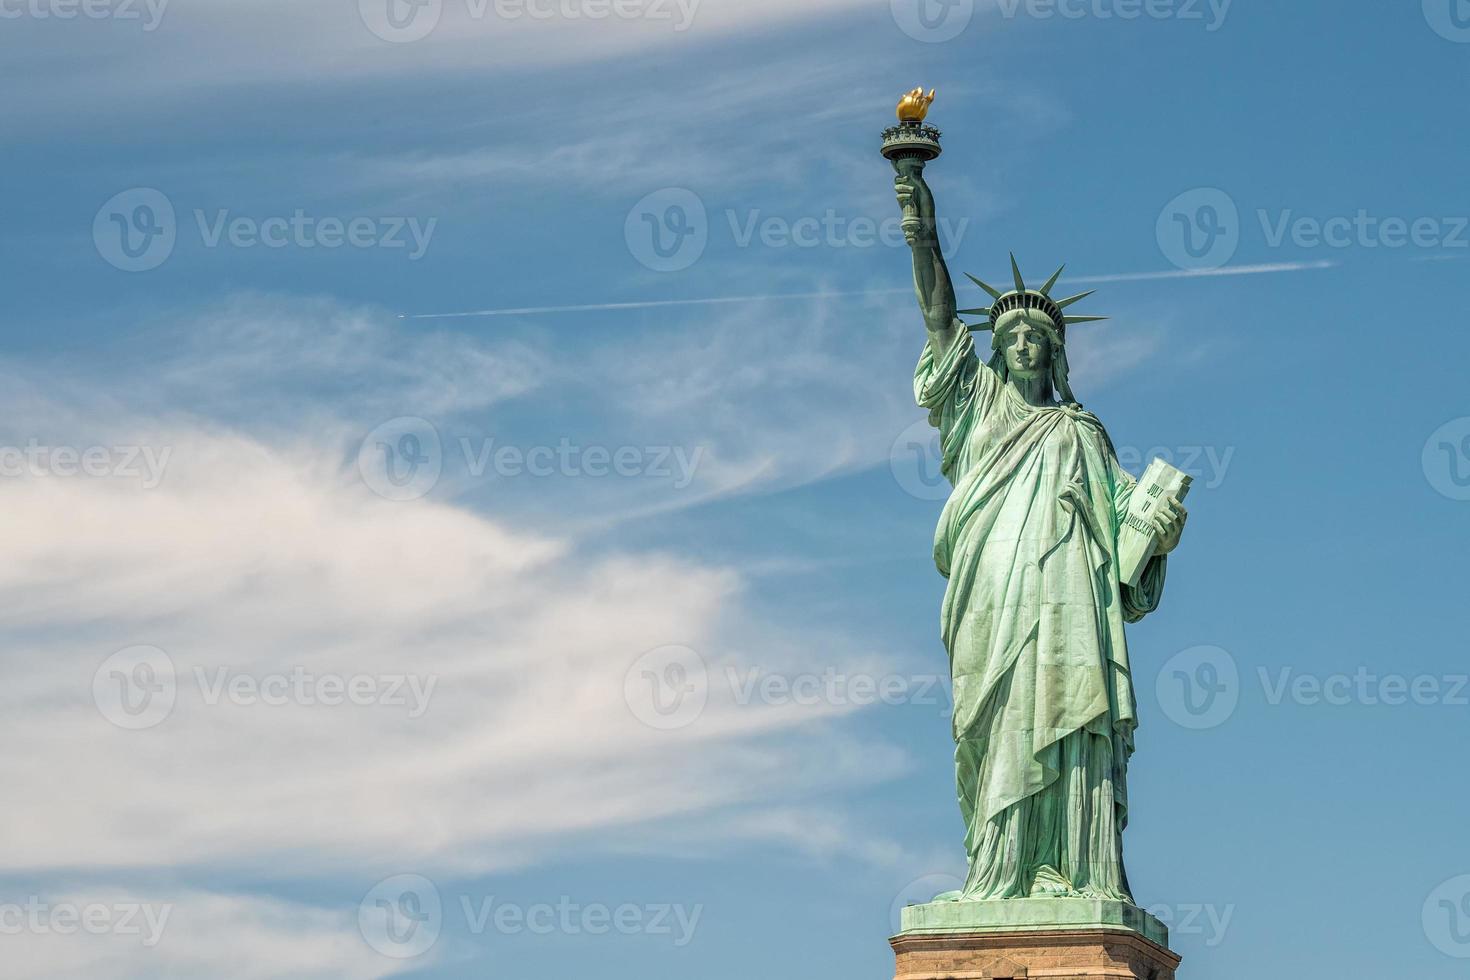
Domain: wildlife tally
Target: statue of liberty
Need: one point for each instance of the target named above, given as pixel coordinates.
(1033, 613)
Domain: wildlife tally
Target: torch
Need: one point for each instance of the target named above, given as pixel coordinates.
(910, 145)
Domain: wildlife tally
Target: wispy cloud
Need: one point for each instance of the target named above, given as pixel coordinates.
(196, 933)
(261, 553)
(223, 47)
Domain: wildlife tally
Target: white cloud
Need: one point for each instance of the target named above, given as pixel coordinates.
(261, 553)
(215, 46)
(183, 934)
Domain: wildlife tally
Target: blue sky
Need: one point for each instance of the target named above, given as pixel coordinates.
(249, 466)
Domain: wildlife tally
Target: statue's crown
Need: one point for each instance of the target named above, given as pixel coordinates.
(1023, 298)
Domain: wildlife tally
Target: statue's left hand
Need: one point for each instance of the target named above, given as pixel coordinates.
(1170, 520)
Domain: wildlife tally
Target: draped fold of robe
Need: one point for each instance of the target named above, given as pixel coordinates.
(1044, 707)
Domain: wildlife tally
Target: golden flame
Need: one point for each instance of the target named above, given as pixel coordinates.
(914, 106)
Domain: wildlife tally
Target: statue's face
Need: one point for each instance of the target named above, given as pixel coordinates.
(1027, 344)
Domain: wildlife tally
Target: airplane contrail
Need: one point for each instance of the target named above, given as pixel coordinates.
(1229, 270)
(1224, 270)
(643, 304)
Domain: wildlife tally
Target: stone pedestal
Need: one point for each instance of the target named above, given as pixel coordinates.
(1058, 939)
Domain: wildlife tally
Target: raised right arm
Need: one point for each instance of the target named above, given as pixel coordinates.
(931, 276)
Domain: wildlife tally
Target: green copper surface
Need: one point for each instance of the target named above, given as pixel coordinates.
(1030, 915)
(1033, 613)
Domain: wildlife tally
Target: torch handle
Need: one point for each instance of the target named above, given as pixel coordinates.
(910, 166)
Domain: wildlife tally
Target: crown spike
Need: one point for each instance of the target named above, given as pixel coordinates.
(1082, 319)
(1062, 304)
(978, 327)
(1046, 289)
(995, 293)
(978, 311)
(1016, 272)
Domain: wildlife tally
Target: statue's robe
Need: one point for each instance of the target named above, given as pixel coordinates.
(1044, 707)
